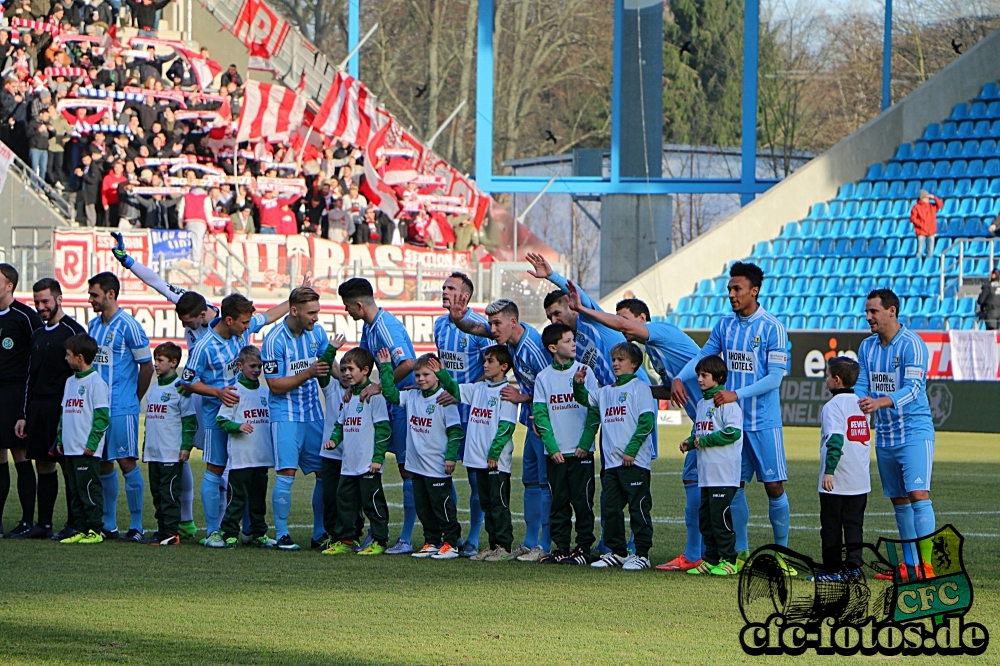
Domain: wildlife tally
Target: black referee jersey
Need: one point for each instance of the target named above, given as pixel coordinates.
(48, 370)
(17, 323)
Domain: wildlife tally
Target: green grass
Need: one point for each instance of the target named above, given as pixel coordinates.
(118, 603)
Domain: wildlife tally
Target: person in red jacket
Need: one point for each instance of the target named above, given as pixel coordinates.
(924, 219)
(109, 193)
(275, 215)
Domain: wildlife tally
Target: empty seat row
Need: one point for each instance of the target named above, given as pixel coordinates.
(977, 110)
(917, 322)
(938, 169)
(910, 189)
(964, 129)
(954, 227)
(955, 149)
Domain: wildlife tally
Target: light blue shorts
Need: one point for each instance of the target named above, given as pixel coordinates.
(121, 440)
(905, 468)
(690, 472)
(216, 450)
(764, 456)
(397, 421)
(534, 461)
(297, 445)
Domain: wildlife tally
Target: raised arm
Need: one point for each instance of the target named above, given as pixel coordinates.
(632, 328)
(456, 312)
(150, 277)
(389, 390)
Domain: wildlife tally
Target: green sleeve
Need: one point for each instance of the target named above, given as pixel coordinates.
(389, 390)
(59, 432)
(102, 416)
(449, 384)
(189, 426)
(337, 436)
(834, 449)
(227, 426)
(590, 428)
(540, 412)
(723, 437)
(329, 356)
(455, 435)
(581, 394)
(504, 434)
(383, 433)
(647, 422)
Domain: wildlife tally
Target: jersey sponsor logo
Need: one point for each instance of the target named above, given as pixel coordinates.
(103, 356)
(398, 353)
(883, 382)
(301, 365)
(154, 408)
(705, 427)
(270, 367)
(352, 421)
(8, 344)
(741, 361)
(560, 398)
(232, 369)
(913, 372)
(857, 430)
(256, 414)
(481, 412)
(74, 402)
(187, 375)
(615, 411)
(419, 423)
(777, 357)
(453, 361)
(590, 357)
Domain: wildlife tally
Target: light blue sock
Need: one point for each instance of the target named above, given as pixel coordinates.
(281, 504)
(904, 523)
(409, 512)
(532, 515)
(740, 511)
(476, 516)
(210, 498)
(135, 494)
(923, 518)
(109, 486)
(318, 530)
(780, 516)
(692, 549)
(544, 508)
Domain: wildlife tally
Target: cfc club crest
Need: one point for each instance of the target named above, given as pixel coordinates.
(755, 342)
(492, 402)
(82, 390)
(431, 408)
(165, 397)
(463, 342)
(263, 401)
(623, 396)
(360, 408)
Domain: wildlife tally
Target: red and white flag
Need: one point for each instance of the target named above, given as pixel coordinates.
(348, 112)
(260, 59)
(205, 69)
(376, 191)
(269, 112)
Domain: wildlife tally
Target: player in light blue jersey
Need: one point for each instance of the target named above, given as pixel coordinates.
(196, 315)
(211, 372)
(461, 356)
(530, 357)
(292, 365)
(126, 366)
(755, 347)
(893, 386)
(382, 330)
(669, 350)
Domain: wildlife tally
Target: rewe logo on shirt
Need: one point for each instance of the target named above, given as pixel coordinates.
(705, 426)
(480, 412)
(256, 414)
(615, 411)
(560, 398)
(74, 402)
(352, 421)
(154, 408)
(421, 422)
(857, 430)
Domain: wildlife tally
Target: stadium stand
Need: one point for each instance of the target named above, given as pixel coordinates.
(821, 267)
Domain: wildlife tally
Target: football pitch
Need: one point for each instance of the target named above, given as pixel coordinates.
(130, 604)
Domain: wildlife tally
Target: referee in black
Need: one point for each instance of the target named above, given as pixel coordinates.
(47, 375)
(17, 323)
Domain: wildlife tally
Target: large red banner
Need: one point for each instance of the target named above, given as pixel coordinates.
(259, 24)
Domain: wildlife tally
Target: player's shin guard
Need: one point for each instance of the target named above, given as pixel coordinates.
(317, 504)
(187, 494)
(135, 495)
(409, 511)
(544, 509)
(692, 549)
(281, 504)
(923, 525)
(109, 494)
(740, 511)
(476, 516)
(904, 523)
(210, 493)
(780, 517)
(532, 515)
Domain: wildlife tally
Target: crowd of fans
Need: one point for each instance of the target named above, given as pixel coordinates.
(127, 134)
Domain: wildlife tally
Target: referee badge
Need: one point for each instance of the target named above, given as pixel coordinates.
(8, 344)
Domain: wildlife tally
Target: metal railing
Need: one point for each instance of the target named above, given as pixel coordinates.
(27, 253)
(950, 263)
(38, 185)
(229, 267)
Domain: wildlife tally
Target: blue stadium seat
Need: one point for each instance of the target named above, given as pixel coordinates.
(852, 285)
(762, 249)
(779, 248)
(807, 228)
(925, 170)
(704, 287)
(918, 323)
(912, 266)
(960, 111)
(822, 229)
(904, 152)
(892, 171)
(810, 304)
(847, 191)
(988, 147)
(935, 324)
(958, 168)
(953, 150)
(977, 111)
(982, 129)
(989, 92)
(932, 132)
(896, 265)
(818, 211)
(875, 247)
(962, 188)
(814, 322)
(912, 189)
(685, 321)
(810, 248)
(921, 150)
(794, 247)
(700, 322)
(892, 247)
(874, 172)
(930, 267)
(838, 228)
(949, 130)
(878, 267)
(797, 322)
(992, 168)
(908, 247)
(871, 227)
(790, 230)
(829, 266)
(882, 208)
(965, 130)
(854, 226)
(866, 208)
(880, 190)
(900, 208)
(843, 247)
(897, 189)
(908, 170)
(937, 150)
(786, 285)
(980, 187)
(975, 169)
(796, 266)
(831, 323)
(942, 169)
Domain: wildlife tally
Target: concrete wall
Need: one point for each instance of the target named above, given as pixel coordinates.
(26, 223)
(817, 181)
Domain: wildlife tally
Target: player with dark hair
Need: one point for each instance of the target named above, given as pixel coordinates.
(461, 355)
(125, 364)
(382, 330)
(47, 375)
(17, 324)
(892, 385)
(754, 345)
